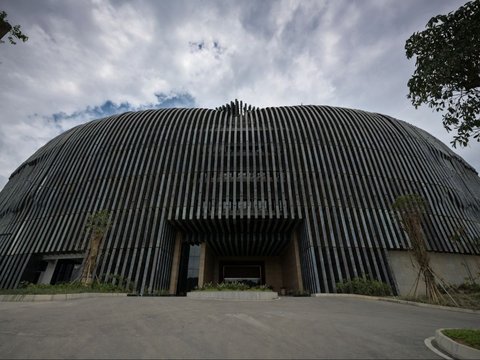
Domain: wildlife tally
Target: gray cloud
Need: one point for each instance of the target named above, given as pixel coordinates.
(86, 58)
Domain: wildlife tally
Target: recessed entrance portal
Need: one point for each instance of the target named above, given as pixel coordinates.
(195, 265)
(250, 273)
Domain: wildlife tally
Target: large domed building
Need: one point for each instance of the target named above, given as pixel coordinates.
(296, 197)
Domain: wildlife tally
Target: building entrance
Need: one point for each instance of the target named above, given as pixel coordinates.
(251, 273)
(198, 265)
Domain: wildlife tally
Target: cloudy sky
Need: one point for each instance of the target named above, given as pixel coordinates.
(87, 59)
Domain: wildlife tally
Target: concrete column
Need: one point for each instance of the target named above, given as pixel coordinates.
(209, 264)
(177, 252)
(46, 276)
(201, 267)
(291, 269)
(297, 261)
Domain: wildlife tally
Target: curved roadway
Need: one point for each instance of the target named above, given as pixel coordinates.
(131, 327)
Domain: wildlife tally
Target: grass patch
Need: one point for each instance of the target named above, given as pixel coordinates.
(233, 286)
(467, 337)
(64, 288)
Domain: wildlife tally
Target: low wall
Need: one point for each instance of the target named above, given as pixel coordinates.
(233, 295)
(452, 268)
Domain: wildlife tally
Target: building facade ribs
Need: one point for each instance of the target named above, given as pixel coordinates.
(243, 180)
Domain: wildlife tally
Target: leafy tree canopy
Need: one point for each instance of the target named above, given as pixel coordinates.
(14, 31)
(447, 74)
(411, 204)
(99, 222)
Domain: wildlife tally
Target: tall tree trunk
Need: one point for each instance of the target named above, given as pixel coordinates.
(91, 259)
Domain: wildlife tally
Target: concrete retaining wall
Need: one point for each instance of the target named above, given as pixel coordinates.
(453, 268)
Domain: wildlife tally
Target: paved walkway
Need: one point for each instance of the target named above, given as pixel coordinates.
(133, 327)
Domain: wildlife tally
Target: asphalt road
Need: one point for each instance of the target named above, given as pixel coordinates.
(130, 327)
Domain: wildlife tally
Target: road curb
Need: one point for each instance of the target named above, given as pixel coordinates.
(455, 349)
(399, 301)
(54, 297)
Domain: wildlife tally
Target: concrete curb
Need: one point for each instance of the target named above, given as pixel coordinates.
(233, 295)
(455, 349)
(399, 301)
(56, 297)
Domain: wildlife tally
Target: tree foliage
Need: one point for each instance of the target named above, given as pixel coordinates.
(15, 32)
(447, 74)
(99, 222)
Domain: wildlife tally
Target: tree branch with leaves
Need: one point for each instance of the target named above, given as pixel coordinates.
(15, 32)
(447, 73)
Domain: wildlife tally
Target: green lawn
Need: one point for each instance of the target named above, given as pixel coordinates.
(469, 337)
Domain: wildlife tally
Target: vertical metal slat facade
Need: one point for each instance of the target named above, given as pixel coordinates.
(242, 179)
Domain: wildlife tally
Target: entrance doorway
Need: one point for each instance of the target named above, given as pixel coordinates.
(248, 272)
(198, 265)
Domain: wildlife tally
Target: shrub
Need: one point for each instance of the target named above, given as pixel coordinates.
(233, 286)
(118, 281)
(105, 283)
(469, 287)
(364, 286)
(159, 292)
(64, 288)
